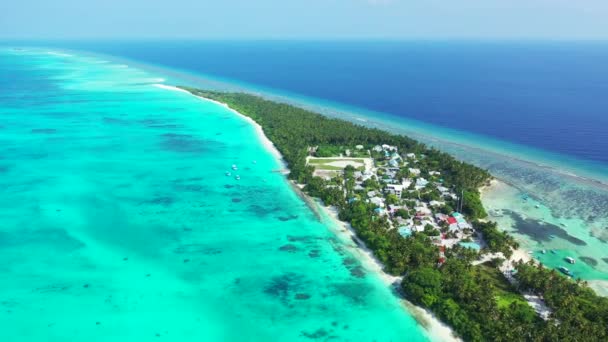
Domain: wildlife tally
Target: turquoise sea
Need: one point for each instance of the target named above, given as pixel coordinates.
(532, 113)
(120, 224)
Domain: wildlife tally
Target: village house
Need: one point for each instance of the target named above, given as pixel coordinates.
(436, 203)
(395, 189)
(389, 147)
(378, 201)
(421, 183)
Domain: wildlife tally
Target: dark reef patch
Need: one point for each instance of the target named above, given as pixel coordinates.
(184, 143)
(287, 218)
(288, 248)
(164, 201)
(349, 261)
(282, 287)
(605, 260)
(357, 272)
(541, 231)
(236, 200)
(589, 260)
(196, 249)
(319, 333)
(315, 253)
(302, 296)
(261, 210)
(302, 238)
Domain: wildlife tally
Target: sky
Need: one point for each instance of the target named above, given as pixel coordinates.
(304, 19)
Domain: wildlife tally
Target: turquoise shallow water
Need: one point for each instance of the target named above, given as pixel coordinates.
(119, 222)
(571, 194)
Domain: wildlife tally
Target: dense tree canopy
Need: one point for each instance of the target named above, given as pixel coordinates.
(477, 301)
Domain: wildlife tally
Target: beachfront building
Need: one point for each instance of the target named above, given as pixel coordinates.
(396, 189)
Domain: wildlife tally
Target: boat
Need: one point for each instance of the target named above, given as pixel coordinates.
(227, 173)
(570, 260)
(255, 162)
(565, 271)
(237, 177)
(544, 251)
(234, 167)
(563, 224)
(537, 206)
(552, 252)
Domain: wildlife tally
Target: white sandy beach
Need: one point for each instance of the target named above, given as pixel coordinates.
(268, 145)
(436, 330)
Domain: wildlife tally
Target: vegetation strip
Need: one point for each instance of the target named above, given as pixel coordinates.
(477, 301)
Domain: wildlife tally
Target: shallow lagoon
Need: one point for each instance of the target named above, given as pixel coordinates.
(120, 223)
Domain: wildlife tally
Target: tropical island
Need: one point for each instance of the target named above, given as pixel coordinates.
(419, 210)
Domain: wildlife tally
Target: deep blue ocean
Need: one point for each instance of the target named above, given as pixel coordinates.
(547, 95)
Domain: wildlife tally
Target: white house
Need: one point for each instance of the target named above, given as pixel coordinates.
(421, 183)
(396, 189)
(377, 201)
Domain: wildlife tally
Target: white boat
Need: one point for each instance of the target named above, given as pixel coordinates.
(565, 271)
(544, 251)
(227, 173)
(570, 260)
(255, 162)
(537, 206)
(237, 177)
(234, 167)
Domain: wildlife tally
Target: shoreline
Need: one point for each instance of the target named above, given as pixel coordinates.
(263, 139)
(433, 327)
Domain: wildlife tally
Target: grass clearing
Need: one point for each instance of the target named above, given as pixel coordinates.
(507, 294)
